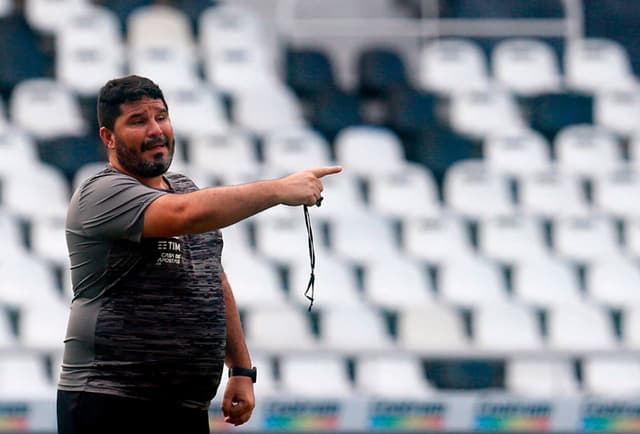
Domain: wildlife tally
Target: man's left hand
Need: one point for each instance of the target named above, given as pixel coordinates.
(238, 401)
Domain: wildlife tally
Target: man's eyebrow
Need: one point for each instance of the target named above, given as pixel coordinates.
(136, 114)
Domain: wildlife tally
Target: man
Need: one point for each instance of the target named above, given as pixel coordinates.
(153, 317)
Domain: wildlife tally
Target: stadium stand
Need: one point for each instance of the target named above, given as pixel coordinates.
(485, 234)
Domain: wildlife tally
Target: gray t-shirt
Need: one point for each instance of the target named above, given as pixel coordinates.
(148, 318)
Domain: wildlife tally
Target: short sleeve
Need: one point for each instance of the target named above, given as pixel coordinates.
(111, 206)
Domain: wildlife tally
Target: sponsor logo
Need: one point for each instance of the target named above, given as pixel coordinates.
(513, 416)
(302, 415)
(14, 417)
(406, 415)
(620, 416)
(169, 251)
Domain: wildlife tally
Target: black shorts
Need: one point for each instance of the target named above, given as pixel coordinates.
(95, 413)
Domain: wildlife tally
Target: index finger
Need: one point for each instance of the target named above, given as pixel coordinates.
(328, 170)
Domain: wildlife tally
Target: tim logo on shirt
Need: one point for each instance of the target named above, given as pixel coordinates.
(169, 251)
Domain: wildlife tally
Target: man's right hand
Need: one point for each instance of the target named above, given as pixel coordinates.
(304, 188)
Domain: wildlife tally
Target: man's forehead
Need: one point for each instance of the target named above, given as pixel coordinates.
(142, 105)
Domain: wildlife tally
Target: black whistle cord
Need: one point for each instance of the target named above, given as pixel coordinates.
(310, 291)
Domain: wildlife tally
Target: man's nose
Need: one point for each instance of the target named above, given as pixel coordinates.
(154, 128)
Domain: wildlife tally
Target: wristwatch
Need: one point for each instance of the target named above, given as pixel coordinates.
(244, 372)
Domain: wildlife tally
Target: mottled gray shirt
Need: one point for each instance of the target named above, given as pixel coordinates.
(147, 318)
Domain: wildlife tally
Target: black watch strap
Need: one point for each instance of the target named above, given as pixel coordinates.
(244, 372)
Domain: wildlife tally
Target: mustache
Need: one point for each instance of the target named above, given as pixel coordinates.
(154, 141)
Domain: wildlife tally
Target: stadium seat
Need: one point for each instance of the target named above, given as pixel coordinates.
(354, 330)
(46, 109)
(396, 284)
(263, 111)
(506, 328)
(380, 70)
(336, 283)
(93, 19)
(452, 65)
(586, 150)
(278, 330)
(197, 111)
(482, 113)
(517, 153)
(258, 288)
(437, 240)
(541, 378)
(397, 376)
(630, 327)
(368, 151)
(618, 111)
(526, 66)
(143, 24)
(580, 328)
(544, 283)
(440, 148)
(333, 111)
(550, 112)
(50, 16)
(433, 329)
(473, 191)
(409, 111)
(284, 240)
(363, 240)
(42, 192)
(25, 281)
(552, 194)
(23, 376)
(48, 241)
(614, 282)
(598, 64)
(226, 156)
(295, 149)
(611, 376)
(43, 325)
(471, 282)
(172, 68)
(234, 70)
(227, 24)
(406, 193)
(611, 192)
(309, 72)
(585, 240)
(89, 50)
(18, 149)
(502, 239)
(316, 376)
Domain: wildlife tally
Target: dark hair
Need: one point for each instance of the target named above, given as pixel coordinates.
(123, 90)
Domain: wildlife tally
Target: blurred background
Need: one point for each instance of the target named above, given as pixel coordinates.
(477, 260)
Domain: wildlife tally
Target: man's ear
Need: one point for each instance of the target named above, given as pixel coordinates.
(107, 137)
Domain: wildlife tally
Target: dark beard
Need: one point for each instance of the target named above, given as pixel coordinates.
(132, 162)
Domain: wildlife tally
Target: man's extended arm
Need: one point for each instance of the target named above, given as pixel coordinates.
(238, 400)
(216, 207)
